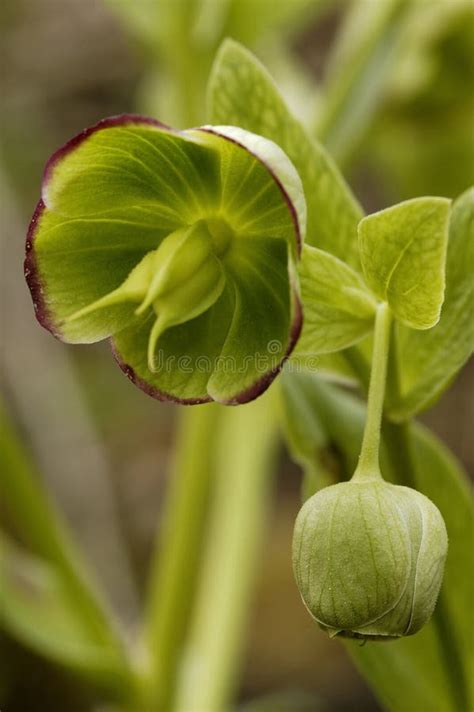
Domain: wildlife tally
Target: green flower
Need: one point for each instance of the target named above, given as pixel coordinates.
(369, 558)
(178, 245)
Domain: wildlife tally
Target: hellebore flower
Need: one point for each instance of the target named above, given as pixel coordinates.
(369, 559)
(178, 245)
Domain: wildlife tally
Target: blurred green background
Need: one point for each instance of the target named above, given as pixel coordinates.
(102, 447)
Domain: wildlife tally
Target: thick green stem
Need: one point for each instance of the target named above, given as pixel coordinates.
(246, 460)
(368, 466)
(176, 557)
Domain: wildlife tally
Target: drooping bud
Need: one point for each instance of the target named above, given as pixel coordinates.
(368, 558)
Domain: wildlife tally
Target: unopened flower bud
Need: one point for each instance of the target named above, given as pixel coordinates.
(369, 558)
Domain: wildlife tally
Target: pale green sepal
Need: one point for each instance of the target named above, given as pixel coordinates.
(133, 289)
(403, 255)
(277, 162)
(430, 560)
(254, 347)
(80, 261)
(222, 354)
(186, 356)
(428, 541)
(134, 164)
(338, 308)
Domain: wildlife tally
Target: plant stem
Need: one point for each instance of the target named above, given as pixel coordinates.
(246, 457)
(176, 557)
(368, 466)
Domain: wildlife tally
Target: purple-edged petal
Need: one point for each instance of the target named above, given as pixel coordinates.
(265, 222)
(130, 162)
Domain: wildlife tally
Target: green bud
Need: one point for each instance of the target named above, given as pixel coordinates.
(368, 558)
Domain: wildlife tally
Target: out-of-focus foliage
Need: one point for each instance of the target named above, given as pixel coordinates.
(40, 610)
(364, 54)
(48, 599)
(293, 700)
(181, 37)
(423, 140)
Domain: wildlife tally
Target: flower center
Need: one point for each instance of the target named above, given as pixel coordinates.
(221, 234)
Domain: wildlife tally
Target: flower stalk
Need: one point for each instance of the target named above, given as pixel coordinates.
(368, 466)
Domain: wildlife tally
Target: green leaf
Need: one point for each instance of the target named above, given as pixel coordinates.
(181, 245)
(414, 672)
(410, 675)
(304, 433)
(38, 610)
(442, 478)
(428, 360)
(338, 309)
(242, 93)
(403, 253)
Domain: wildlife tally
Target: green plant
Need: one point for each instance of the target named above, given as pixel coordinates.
(368, 555)
(392, 276)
